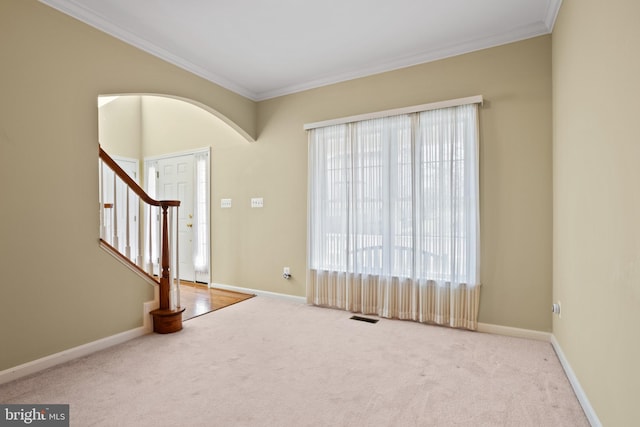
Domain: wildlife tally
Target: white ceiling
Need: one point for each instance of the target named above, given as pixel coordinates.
(262, 49)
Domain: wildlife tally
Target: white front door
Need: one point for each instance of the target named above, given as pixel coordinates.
(176, 182)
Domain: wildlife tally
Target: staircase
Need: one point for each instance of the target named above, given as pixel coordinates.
(142, 233)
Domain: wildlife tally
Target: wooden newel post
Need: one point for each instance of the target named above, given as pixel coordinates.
(166, 320)
(165, 285)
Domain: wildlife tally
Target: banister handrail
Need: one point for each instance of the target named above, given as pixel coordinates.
(166, 319)
(131, 183)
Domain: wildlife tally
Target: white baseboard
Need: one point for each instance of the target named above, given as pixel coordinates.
(148, 307)
(302, 300)
(67, 355)
(548, 337)
(514, 332)
(577, 388)
(482, 327)
(83, 350)
(147, 327)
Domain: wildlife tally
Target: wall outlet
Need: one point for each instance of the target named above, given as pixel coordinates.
(286, 273)
(257, 202)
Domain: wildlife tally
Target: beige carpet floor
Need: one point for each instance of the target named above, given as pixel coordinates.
(272, 362)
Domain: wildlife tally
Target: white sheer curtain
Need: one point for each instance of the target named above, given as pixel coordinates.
(152, 236)
(201, 215)
(393, 224)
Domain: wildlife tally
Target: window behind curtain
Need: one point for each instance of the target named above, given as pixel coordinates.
(397, 196)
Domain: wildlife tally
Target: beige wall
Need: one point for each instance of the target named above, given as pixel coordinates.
(54, 69)
(168, 125)
(251, 246)
(172, 126)
(596, 149)
(58, 288)
(515, 166)
(120, 127)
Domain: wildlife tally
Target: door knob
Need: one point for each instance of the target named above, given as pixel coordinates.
(189, 225)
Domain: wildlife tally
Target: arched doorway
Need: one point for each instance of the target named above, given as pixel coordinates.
(167, 142)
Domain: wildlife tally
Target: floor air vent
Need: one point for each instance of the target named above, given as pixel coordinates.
(364, 319)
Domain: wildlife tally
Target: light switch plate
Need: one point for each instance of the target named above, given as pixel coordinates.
(257, 202)
(225, 203)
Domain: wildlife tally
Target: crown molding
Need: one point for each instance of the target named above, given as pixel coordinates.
(552, 14)
(78, 11)
(81, 13)
(522, 33)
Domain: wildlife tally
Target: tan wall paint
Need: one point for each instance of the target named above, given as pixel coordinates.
(171, 126)
(56, 69)
(58, 288)
(515, 171)
(120, 127)
(251, 246)
(168, 126)
(596, 276)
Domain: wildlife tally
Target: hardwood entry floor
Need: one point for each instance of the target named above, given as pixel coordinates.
(198, 299)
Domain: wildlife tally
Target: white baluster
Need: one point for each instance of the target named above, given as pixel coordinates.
(127, 247)
(150, 243)
(159, 242)
(115, 242)
(140, 227)
(177, 257)
(172, 279)
(101, 197)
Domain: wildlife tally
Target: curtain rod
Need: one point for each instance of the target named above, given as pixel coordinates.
(397, 111)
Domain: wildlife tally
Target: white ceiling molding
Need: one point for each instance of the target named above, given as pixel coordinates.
(81, 13)
(258, 62)
(468, 46)
(552, 14)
